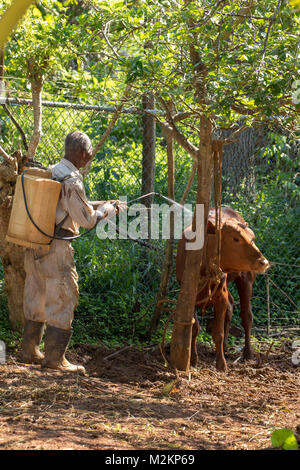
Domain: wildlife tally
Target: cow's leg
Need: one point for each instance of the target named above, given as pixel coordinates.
(195, 331)
(244, 285)
(227, 323)
(220, 307)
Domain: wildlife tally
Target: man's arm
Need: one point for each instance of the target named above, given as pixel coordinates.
(84, 213)
(119, 205)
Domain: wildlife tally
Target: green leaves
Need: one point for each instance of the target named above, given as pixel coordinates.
(295, 3)
(171, 388)
(136, 68)
(112, 6)
(284, 438)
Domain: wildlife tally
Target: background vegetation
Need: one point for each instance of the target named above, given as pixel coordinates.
(87, 59)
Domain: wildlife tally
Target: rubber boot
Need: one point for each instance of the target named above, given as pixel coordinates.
(32, 337)
(56, 344)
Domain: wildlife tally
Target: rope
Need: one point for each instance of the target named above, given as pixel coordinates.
(185, 323)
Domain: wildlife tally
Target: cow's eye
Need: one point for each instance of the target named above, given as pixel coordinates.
(236, 239)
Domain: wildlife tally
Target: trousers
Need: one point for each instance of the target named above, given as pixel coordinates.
(51, 285)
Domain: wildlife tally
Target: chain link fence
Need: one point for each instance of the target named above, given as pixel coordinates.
(133, 162)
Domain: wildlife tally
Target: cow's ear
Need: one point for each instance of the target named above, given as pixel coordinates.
(211, 228)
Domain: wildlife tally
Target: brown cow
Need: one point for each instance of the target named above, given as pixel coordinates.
(238, 254)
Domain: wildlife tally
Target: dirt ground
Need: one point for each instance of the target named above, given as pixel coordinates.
(123, 403)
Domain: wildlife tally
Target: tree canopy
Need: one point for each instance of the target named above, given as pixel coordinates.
(248, 53)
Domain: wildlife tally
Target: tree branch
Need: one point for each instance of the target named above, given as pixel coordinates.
(189, 183)
(232, 137)
(104, 34)
(36, 89)
(110, 127)
(113, 120)
(211, 13)
(179, 137)
(17, 125)
(271, 21)
(174, 132)
(243, 13)
(5, 155)
(183, 115)
(242, 109)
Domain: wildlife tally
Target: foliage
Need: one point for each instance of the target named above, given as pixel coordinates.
(94, 47)
(11, 339)
(295, 3)
(88, 50)
(284, 438)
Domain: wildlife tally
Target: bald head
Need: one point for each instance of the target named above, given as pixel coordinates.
(78, 148)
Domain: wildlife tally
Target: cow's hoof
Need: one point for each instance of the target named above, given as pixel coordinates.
(247, 354)
(221, 366)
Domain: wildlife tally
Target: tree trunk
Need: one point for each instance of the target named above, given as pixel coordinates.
(37, 87)
(12, 256)
(1, 72)
(184, 313)
(168, 260)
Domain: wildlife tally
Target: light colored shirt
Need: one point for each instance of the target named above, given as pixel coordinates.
(73, 201)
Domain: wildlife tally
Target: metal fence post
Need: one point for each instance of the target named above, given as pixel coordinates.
(268, 305)
(148, 160)
(168, 259)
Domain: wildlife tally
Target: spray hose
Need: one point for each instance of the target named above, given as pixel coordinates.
(56, 237)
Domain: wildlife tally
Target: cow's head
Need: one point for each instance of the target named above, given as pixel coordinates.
(238, 250)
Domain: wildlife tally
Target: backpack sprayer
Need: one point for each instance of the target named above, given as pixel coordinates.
(36, 189)
(42, 195)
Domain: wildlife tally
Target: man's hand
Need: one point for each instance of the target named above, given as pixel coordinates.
(108, 208)
(120, 206)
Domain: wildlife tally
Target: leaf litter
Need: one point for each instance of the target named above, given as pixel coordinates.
(132, 401)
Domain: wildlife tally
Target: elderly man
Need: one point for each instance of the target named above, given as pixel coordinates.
(51, 288)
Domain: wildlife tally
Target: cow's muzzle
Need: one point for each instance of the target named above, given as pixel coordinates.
(263, 264)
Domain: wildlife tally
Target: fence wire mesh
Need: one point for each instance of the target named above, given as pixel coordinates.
(118, 170)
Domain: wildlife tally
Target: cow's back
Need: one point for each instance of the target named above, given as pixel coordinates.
(226, 213)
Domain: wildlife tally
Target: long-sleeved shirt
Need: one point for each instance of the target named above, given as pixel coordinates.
(73, 200)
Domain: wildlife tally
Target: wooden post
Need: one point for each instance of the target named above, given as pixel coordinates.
(148, 161)
(168, 260)
(268, 305)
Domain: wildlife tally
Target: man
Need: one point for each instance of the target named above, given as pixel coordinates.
(51, 284)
